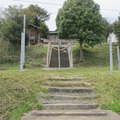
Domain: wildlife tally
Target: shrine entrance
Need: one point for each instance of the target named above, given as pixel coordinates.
(59, 53)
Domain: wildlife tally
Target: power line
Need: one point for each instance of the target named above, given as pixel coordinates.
(38, 2)
(61, 4)
(57, 13)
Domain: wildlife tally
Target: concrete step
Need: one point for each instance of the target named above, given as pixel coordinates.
(52, 101)
(79, 94)
(69, 106)
(80, 116)
(67, 83)
(66, 79)
(64, 60)
(67, 97)
(69, 113)
(69, 89)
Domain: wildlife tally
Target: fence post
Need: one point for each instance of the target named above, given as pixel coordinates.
(48, 55)
(59, 57)
(118, 54)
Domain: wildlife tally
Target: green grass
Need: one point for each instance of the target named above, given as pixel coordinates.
(35, 55)
(96, 56)
(18, 91)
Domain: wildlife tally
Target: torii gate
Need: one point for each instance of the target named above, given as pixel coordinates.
(59, 43)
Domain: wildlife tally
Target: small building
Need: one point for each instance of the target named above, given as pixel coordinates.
(53, 35)
(114, 38)
(34, 34)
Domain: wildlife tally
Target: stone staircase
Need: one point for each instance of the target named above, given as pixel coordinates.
(64, 60)
(69, 99)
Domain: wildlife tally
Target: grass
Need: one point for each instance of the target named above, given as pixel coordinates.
(35, 57)
(18, 92)
(96, 56)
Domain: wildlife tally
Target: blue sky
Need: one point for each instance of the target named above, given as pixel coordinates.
(110, 9)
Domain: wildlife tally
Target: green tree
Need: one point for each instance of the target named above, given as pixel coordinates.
(81, 19)
(12, 23)
(44, 31)
(35, 15)
(117, 29)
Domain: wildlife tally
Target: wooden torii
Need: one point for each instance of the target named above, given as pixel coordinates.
(64, 43)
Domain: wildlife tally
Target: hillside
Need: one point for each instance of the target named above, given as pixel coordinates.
(36, 56)
(97, 56)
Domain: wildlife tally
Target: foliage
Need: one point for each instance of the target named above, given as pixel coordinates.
(8, 53)
(38, 53)
(35, 15)
(44, 30)
(117, 29)
(81, 20)
(12, 23)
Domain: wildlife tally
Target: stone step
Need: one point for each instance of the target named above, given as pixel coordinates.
(69, 106)
(67, 97)
(69, 89)
(52, 101)
(78, 94)
(67, 83)
(68, 113)
(64, 60)
(67, 79)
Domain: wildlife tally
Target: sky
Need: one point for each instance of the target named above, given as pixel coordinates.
(110, 9)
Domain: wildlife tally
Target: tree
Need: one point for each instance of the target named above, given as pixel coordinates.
(81, 19)
(117, 29)
(44, 31)
(12, 23)
(35, 15)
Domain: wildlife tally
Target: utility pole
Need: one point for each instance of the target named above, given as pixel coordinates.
(111, 57)
(24, 40)
(21, 56)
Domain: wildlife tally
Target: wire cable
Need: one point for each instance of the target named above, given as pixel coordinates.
(62, 4)
(38, 2)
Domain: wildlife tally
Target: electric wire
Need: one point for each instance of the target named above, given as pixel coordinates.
(61, 4)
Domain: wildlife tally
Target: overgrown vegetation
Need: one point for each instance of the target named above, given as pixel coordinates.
(117, 29)
(35, 56)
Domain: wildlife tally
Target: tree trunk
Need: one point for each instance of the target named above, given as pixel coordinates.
(81, 51)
